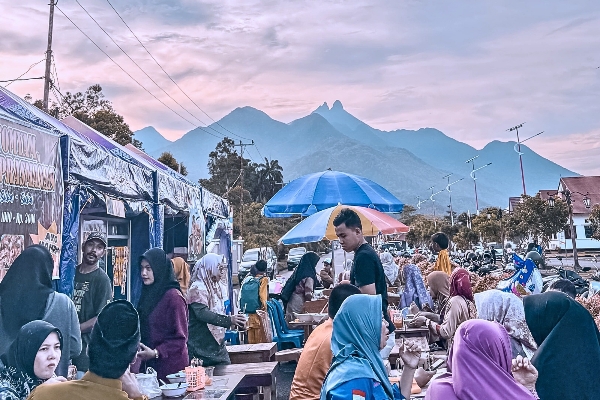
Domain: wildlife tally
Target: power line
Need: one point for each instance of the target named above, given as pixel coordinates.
(24, 79)
(55, 72)
(169, 76)
(129, 75)
(20, 76)
(135, 63)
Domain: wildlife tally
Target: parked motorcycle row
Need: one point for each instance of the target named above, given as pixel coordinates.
(483, 263)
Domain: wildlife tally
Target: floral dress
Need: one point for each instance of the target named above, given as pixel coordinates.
(15, 385)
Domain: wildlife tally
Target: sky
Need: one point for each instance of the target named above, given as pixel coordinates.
(469, 69)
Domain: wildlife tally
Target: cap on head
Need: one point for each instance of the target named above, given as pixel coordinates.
(97, 236)
(327, 261)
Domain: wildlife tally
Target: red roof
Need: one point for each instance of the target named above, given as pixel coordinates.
(589, 185)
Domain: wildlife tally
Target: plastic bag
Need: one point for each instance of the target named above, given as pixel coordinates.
(148, 383)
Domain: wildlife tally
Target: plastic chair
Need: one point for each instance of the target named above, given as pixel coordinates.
(281, 314)
(232, 337)
(278, 335)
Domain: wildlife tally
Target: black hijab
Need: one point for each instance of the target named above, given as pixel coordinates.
(25, 289)
(307, 268)
(568, 354)
(164, 279)
(23, 350)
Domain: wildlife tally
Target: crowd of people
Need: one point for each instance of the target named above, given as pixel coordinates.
(498, 346)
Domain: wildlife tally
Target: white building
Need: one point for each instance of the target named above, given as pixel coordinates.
(579, 187)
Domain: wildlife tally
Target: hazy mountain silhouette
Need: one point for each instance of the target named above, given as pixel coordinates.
(404, 161)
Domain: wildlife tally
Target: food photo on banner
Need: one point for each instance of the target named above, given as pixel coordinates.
(31, 192)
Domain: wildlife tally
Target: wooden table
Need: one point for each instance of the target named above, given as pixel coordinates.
(223, 388)
(308, 327)
(407, 332)
(252, 353)
(261, 375)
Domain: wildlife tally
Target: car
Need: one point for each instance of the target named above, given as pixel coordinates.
(251, 256)
(294, 257)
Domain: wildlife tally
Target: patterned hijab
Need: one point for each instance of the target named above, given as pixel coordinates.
(204, 290)
(460, 284)
(507, 310)
(414, 288)
(390, 268)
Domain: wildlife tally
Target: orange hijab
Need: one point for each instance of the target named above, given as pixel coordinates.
(182, 273)
(443, 262)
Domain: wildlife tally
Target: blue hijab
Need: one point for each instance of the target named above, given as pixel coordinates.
(355, 343)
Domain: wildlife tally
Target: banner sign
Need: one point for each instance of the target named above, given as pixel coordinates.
(195, 234)
(31, 192)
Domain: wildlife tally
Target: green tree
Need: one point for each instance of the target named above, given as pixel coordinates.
(421, 229)
(465, 238)
(408, 214)
(534, 218)
(270, 179)
(488, 225)
(91, 108)
(169, 160)
(595, 221)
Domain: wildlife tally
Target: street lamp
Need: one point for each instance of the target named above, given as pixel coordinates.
(587, 202)
(433, 201)
(420, 201)
(518, 150)
(472, 161)
(450, 193)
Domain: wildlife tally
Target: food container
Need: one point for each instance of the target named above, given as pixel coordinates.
(318, 317)
(208, 375)
(173, 389)
(177, 378)
(304, 317)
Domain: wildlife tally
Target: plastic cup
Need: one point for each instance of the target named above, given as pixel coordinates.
(208, 375)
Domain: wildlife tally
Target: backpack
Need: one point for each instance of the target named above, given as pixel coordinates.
(250, 297)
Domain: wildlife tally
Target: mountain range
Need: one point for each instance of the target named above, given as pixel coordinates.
(406, 162)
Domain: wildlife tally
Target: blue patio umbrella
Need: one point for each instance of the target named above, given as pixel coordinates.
(312, 193)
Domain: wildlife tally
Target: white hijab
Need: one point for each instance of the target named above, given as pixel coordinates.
(390, 268)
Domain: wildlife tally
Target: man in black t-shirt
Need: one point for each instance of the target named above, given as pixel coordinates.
(367, 271)
(93, 290)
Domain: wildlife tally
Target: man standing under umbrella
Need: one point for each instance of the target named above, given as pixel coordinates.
(367, 272)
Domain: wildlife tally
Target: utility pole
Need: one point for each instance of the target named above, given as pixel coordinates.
(516, 128)
(48, 56)
(432, 204)
(242, 145)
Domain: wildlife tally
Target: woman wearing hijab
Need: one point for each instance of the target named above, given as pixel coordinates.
(358, 334)
(31, 360)
(26, 295)
(482, 367)
(507, 310)
(303, 282)
(182, 273)
(390, 268)
(459, 308)
(568, 354)
(163, 316)
(208, 321)
(414, 288)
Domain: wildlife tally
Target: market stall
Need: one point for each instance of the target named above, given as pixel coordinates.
(31, 190)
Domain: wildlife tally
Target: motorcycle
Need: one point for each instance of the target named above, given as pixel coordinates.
(582, 286)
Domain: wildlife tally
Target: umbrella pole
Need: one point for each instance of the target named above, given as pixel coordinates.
(333, 263)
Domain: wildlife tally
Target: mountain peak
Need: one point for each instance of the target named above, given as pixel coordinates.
(337, 104)
(322, 108)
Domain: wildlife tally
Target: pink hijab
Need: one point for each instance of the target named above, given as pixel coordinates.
(481, 366)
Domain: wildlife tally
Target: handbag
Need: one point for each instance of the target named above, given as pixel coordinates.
(266, 326)
(148, 383)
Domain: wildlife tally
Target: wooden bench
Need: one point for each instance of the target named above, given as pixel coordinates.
(252, 353)
(256, 375)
